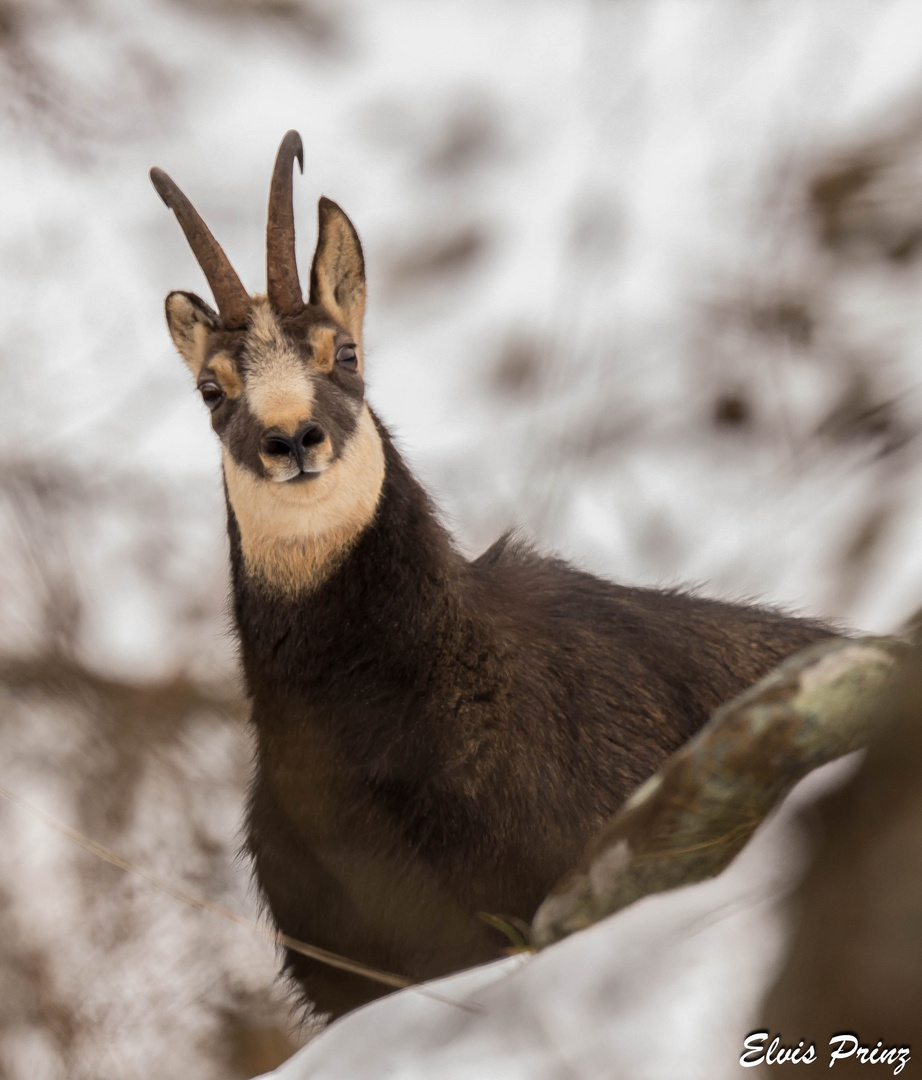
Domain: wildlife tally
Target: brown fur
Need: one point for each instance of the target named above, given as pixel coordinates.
(436, 737)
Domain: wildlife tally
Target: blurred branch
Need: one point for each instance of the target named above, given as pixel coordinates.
(63, 677)
(689, 820)
(317, 24)
(71, 108)
(865, 200)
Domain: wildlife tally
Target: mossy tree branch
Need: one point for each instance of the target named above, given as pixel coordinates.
(689, 820)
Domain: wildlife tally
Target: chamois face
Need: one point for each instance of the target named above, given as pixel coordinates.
(283, 380)
(285, 393)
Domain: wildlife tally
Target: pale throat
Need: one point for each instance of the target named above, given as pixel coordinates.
(293, 536)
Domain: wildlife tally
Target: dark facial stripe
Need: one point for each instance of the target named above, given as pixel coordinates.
(336, 408)
(240, 432)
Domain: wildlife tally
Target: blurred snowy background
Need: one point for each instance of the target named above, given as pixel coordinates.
(645, 279)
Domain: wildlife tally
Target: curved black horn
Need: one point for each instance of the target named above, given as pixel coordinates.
(283, 286)
(230, 295)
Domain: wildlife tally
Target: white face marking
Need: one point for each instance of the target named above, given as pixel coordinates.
(294, 534)
(279, 388)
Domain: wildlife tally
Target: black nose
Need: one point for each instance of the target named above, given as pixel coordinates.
(282, 446)
(309, 435)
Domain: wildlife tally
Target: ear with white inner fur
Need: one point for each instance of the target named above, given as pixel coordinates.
(190, 320)
(338, 270)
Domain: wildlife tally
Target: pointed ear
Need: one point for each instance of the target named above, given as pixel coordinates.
(338, 270)
(190, 320)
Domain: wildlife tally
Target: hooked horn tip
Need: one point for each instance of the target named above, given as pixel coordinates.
(161, 183)
(292, 141)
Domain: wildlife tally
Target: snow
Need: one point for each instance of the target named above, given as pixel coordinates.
(665, 990)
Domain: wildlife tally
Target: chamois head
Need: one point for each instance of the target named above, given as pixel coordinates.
(283, 380)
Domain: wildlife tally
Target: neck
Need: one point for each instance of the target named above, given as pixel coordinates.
(293, 536)
(373, 612)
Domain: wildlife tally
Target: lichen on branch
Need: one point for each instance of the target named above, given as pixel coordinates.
(689, 820)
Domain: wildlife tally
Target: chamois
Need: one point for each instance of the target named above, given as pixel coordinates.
(436, 738)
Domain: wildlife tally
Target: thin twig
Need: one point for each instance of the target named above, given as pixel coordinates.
(180, 892)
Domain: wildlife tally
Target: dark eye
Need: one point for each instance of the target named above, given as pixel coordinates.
(347, 358)
(212, 394)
